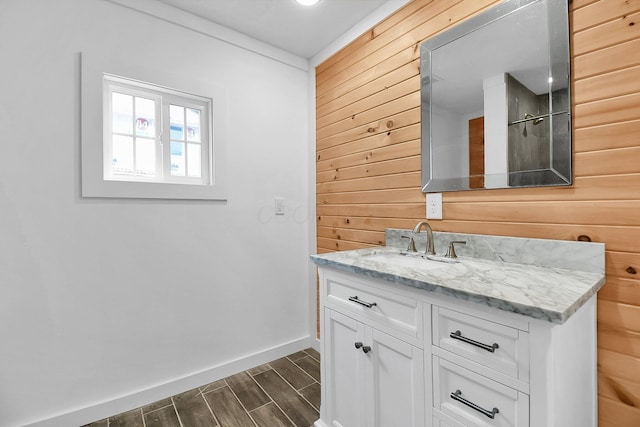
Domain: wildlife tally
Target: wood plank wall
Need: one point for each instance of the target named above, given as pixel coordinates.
(368, 163)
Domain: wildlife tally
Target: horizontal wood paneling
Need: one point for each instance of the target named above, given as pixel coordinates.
(619, 389)
(608, 110)
(395, 136)
(608, 33)
(389, 167)
(395, 90)
(362, 236)
(619, 365)
(329, 245)
(623, 264)
(624, 317)
(371, 75)
(403, 180)
(595, 163)
(616, 238)
(602, 86)
(407, 149)
(613, 58)
(368, 163)
(555, 212)
(619, 340)
(618, 413)
(577, 4)
(386, 125)
(599, 187)
(428, 20)
(601, 11)
(386, 210)
(614, 135)
(370, 88)
(364, 223)
(621, 289)
(404, 103)
(374, 196)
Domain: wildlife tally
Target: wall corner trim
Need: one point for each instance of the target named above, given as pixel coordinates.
(207, 28)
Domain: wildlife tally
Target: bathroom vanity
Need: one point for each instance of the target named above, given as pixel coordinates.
(504, 335)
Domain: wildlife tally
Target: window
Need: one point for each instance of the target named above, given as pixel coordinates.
(165, 139)
(154, 134)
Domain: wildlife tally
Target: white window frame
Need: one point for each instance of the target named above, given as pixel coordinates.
(163, 99)
(97, 77)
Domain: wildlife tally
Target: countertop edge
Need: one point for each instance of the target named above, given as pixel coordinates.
(552, 316)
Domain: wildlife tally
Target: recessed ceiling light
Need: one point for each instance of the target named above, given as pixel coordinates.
(307, 2)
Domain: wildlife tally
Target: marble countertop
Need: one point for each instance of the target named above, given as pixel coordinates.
(549, 294)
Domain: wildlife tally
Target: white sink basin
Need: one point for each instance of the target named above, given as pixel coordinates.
(412, 261)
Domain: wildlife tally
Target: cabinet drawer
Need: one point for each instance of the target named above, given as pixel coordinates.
(394, 311)
(499, 347)
(440, 421)
(471, 398)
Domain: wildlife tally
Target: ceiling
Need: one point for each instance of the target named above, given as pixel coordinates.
(301, 30)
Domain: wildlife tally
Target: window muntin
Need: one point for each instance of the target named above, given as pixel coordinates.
(153, 134)
(186, 152)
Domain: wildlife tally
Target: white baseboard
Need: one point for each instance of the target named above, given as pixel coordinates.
(140, 398)
(315, 344)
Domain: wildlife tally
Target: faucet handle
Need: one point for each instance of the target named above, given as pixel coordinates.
(451, 252)
(412, 244)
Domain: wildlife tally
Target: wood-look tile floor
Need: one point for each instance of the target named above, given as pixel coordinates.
(282, 393)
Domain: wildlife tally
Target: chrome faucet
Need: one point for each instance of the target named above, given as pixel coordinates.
(430, 249)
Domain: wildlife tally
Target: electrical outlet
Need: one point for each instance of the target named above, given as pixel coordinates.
(434, 205)
(279, 205)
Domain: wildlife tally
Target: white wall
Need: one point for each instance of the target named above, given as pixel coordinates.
(496, 157)
(102, 298)
(450, 137)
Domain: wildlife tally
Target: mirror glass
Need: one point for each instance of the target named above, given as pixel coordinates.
(495, 100)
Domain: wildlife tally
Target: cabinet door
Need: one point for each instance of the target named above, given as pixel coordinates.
(394, 383)
(343, 388)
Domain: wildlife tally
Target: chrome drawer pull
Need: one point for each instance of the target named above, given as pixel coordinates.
(359, 301)
(457, 396)
(457, 335)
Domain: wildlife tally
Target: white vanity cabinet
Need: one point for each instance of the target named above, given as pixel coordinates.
(372, 369)
(434, 360)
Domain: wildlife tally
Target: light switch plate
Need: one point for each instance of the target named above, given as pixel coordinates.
(434, 205)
